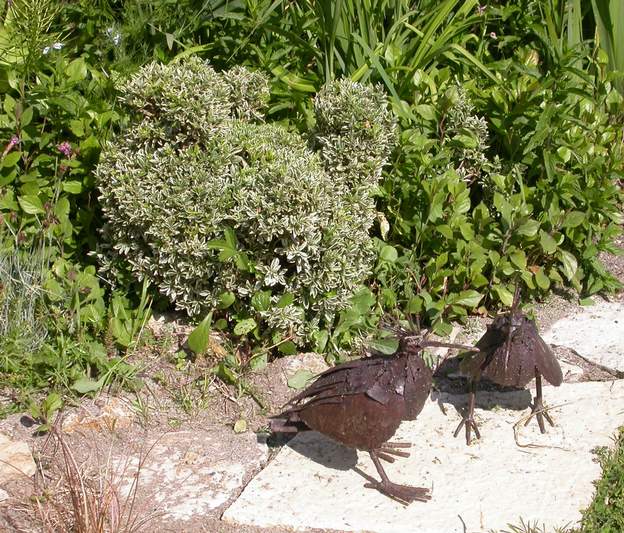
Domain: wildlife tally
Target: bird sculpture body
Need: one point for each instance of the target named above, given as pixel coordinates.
(361, 404)
(512, 353)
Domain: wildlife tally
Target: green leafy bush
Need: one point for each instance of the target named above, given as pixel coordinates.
(56, 109)
(606, 512)
(528, 189)
(221, 212)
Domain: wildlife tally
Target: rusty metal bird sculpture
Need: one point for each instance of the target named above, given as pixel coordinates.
(361, 403)
(511, 354)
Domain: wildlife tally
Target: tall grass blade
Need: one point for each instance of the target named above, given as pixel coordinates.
(609, 15)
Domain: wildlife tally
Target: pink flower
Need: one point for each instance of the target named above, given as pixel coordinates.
(493, 35)
(481, 10)
(14, 140)
(66, 149)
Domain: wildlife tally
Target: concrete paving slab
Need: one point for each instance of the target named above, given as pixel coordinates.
(186, 476)
(16, 460)
(314, 482)
(596, 333)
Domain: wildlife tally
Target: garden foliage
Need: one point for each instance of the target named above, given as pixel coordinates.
(221, 210)
(508, 164)
(531, 194)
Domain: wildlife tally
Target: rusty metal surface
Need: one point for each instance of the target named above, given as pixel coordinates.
(511, 350)
(361, 403)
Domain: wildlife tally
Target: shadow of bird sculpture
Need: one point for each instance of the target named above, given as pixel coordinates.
(361, 403)
(511, 354)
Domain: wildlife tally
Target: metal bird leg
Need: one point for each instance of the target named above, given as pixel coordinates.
(538, 407)
(402, 493)
(468, 419)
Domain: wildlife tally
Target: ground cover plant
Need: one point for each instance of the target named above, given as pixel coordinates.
(606, 513)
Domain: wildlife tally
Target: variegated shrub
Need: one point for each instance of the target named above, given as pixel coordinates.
(221, 210)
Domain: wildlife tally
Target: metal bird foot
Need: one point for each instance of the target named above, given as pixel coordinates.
(468, 420)
(538, 411)
(471, 425)
(402, 493)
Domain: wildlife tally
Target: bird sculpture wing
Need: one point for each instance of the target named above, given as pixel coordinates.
(527, 352)
(368, 375)
(545, 359)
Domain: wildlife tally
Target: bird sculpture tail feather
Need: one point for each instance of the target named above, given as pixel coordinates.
(287, 425)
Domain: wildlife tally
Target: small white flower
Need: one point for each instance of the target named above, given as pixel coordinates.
(57, 46)
(46, 50)
(114, 36)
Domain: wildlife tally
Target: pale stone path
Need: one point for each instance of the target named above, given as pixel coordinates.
(596, 333)
(495, 481)
(508, 475)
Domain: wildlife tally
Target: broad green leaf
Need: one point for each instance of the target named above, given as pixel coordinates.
(362, 301)
(414, 305)
(569, 264)
(503, 207)
(287, 348)
(261, 301)
(300, 379)
(52, 403)
(61, 209)
(574, 219)
(542, 280)
(72, 187)
(77, 127)
(321, 338)
(199, 338)
(389, 254)
(226, 374)
(244, 326)
(85, 385)
(518, 258)
(549, 245)
(564, 153)
(226, 299)
(466, 231)
(11, 159)
(445, 230)
(425, 111)
(120, 332)
(77, 70)
(285, 300)
(478, 279)
(259, 361)
(385, 345)
(503, 295)
(529, 228)
(31, 204)
(26, 117)
(470, 298)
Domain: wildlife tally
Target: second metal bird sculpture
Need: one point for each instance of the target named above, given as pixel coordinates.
(361, 404)
(511, 354)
